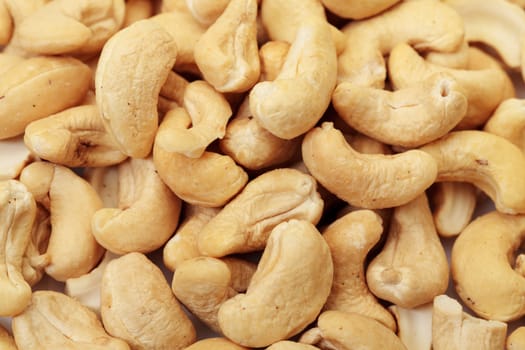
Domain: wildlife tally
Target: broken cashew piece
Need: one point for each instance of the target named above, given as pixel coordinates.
(408, 117)
(350, 239)
(369, 181)
(14, 156)
(288, 290)
(508, 121)
(489, 162)
(245, 223)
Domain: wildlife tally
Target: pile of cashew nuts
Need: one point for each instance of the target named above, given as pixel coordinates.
(299, 167)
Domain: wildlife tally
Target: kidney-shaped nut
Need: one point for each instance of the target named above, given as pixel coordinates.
(245, 223)
(369, 181)
(482, 265)
(17, 214)
(227, 53)
(210, 180)
(294, 102)
(14, 156)
(52, 186)
(203, 284)
(216, 343)
(407, 117)
(490, 162)
(147, 213)
(133, 66)
(412, 267)
(286, 293)
(508, 121)
(350, 239)
(6, 24)
(48, 323)
(79, 27)
(427, 25)
(345, 331)
(37, 87)
(75, 137)
(137, 305)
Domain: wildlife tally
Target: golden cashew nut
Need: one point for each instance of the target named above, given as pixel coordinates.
(489, 162)
(137, 10)
(133, 66)
(17, 214)
(48, 324)
(14, 156)
(147, 213)
(227, 53)
(412, 267)
(52, 185)
(6, 24)
(137, 305)
(215, 344)
(436, 27)
(350, 239)
(483, 268)
(414, 326)
(210, 180)
(508, 121)
(75, 137)
(245, 223)
(408, 117)
(369, 181)
(358, 9)
(38, 87)
(516, 339)
(286, 293)
(7, 342)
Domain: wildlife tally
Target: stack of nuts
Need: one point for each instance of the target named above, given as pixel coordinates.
(298, 163)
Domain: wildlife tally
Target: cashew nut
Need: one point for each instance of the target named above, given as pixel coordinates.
(14, 156)
(245, 223)
(272, 55)
(508, 121)
(453, 329)
(414, 326)
(75, 137)
(365, 180)
(516, 339)
(47, 323)
(133, 66)
(489, 162)
(408, 117)
(350, 239)
(482, 264)
(358, 9)
(137, 305)
(286, 293)
(290, 345)
(6, 24)
(7, 341)
(458, 59)
(412, 267)
(174, 88)
(215, 344)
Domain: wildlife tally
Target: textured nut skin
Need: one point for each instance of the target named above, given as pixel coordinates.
(133, 66)
(137, 305)
(287, 291)
(48, 324)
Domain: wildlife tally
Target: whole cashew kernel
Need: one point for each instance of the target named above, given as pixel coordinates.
(369, 181)
(14, 156)
(350, 239)
(516, 339)
(142, 55)
(508, 121)
(408, 117)
(215, 344)
(245, 223)
(7, 342)
(412, 267)
(137, 305)
(489, 162)
(286, 293)
(358, 10)
(47, 323)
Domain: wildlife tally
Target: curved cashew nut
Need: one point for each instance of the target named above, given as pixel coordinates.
(147, 213)
(7, 342)
(75, 137)
(408, 117)
(227, 53)
(294, 102)
(489, 162)
(203, 284)
(38, 87)
(6, 24)
(288, 290)
(210, 180)
(412, 267)
(481, 266)
(508, 121)
(484, 88)
(14, 156)
(341, 330)
(142, 54)
(516, 339)
(47, 324)
(245, 223)
(290, 345)
(369, 181)
(137, 10)
(414, 326)
(52, 186)
(436, 27)
(350, 239)
(17, 214)
(215, 344)
(137, 305)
